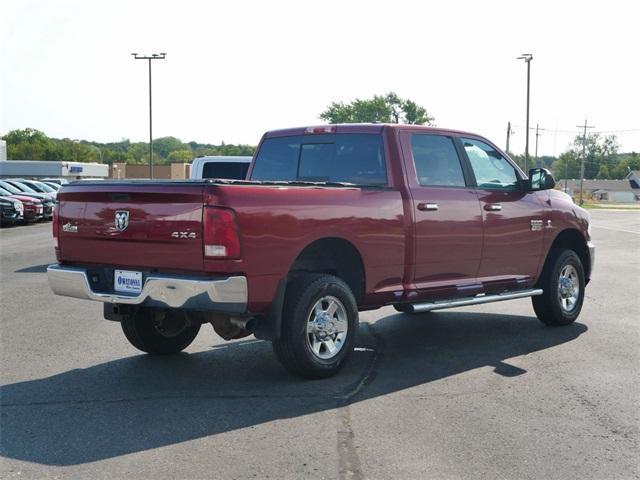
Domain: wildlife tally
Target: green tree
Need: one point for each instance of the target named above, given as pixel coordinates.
(389, 108)
(30, 144)
(414, 114)
(598, 152)
(603, 172)
(181, 156)
(566, 166)
(163, 146)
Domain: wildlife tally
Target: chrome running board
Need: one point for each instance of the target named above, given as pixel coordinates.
(477, 300)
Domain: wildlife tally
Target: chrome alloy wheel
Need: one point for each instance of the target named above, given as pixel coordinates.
(327, 327)
(568, 288)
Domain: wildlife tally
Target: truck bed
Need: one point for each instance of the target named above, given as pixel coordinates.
(275, 220)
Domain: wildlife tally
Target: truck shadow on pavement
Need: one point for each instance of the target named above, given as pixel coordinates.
(141, 402)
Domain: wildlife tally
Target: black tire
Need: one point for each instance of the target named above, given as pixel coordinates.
(159, 332)
(549, 306)
(294, 347)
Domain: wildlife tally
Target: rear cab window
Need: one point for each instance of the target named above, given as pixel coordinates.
(436, 161)
(343, 157)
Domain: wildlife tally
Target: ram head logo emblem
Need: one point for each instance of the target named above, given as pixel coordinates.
(122, 220)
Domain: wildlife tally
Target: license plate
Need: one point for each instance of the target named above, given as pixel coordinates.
(127, 281)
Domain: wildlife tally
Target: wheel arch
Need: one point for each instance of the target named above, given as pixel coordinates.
(572, 239)
(333, 255)
(336, 256)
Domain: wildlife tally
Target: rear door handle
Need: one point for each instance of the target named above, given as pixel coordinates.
(427, 206)
(492, 207)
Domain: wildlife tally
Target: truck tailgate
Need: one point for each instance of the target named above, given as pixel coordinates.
(155, 225)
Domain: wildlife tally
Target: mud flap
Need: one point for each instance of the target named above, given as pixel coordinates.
(269, 326)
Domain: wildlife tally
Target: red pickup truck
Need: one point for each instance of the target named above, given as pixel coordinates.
(331, 220)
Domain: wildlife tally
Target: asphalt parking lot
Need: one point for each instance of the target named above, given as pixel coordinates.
(481, 392)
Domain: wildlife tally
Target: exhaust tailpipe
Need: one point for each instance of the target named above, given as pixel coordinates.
(248, 324)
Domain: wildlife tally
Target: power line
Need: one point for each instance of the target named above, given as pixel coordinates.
(548, 129)
(628, 130)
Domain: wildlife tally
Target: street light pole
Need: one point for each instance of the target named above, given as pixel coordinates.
(527, 57)
(154, 56)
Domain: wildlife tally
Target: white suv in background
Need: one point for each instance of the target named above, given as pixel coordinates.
(234, 168)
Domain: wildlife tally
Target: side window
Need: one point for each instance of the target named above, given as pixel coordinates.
(492, 170)
(436, 161)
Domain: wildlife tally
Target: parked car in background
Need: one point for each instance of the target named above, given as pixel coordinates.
(39, 187)
(58, 181)
(331, 220)
(33, 207)
(53, 185)
(47, 201)
(33, 186)
(23, 187)
(11, 211)
(233, 168)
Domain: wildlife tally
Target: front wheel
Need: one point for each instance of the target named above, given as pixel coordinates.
(319, 325)
(562, 281)
(160, 332)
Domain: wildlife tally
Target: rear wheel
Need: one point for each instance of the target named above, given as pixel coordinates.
(562, 281)
(319, 324)
(158, 331)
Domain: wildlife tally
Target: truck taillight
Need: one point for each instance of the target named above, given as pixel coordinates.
(220, 233)
(55, 224)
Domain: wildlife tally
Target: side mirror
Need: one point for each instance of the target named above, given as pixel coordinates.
(540, 179)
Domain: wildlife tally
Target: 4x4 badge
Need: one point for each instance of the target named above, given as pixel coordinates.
(122, 220)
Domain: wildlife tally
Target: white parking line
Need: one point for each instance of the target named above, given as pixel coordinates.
(616, 229)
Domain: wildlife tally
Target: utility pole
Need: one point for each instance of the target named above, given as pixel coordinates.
(154, 56)
(584, 152)
(527, 57)
(509, 132)
(537, 135)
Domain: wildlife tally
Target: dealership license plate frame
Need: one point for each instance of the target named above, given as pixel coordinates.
(127, 281)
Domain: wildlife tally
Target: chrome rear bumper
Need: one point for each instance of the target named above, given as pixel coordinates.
(227, 295)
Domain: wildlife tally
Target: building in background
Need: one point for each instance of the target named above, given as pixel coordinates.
(172, 171)
(3, 150)
(634, 179)
(612, 191)
(43, 169)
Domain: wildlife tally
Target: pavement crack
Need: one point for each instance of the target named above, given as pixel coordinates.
(348, 461)
(350, 467)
